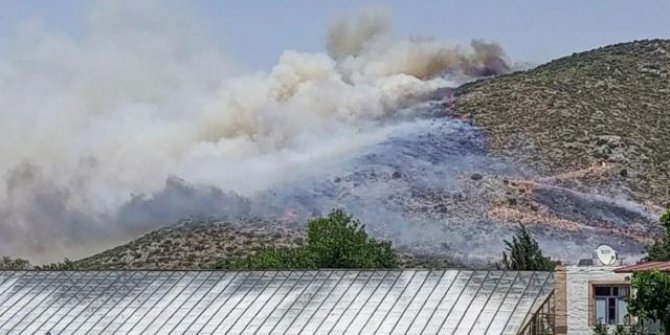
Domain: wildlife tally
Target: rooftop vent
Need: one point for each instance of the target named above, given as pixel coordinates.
(585, 262)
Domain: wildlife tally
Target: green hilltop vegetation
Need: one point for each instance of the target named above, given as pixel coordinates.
(610, 104)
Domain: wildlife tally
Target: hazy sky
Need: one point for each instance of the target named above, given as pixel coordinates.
(255, 32)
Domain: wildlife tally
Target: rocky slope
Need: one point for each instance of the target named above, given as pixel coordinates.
(607, 106)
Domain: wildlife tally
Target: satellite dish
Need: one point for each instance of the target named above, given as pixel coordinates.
(606, 255)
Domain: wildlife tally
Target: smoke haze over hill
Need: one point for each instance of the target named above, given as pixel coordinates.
(141, 121)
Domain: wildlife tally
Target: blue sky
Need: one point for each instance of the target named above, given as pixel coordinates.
(255, 32)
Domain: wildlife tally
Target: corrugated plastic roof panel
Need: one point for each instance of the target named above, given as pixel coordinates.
(269, 302)
(645, 266)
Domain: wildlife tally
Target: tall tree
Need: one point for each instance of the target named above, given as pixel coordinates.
(660, 250)
(524, 254)
(334, 241)
(651, 298)
(339, 241)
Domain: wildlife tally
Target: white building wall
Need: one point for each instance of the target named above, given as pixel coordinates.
(577, 294)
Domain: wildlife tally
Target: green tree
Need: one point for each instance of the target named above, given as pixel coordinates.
(524, 254)
(651, 298)
(660, 250)
(334, 241)
(339, 241)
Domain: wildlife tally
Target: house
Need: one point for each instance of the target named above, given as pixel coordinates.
(586, 295)
(593, 292)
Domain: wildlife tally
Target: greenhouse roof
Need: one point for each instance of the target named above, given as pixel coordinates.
(269, 302)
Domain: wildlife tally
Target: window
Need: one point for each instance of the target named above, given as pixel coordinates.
(610, 304)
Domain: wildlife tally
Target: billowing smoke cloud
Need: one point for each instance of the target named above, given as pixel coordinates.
(366, 49)
(142, 121)
(348, 37)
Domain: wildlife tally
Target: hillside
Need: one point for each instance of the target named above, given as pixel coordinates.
(609, 105)
(576, 149)
(203, 243)
(194, 244)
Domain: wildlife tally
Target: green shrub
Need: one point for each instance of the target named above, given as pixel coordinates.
(7, 263)
(334, 241)
(600, 329)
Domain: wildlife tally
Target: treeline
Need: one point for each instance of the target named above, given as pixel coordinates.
(7, 263)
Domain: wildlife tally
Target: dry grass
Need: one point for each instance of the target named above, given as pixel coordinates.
(196, 244)
(597, 169)
(610, 104)
(540, 216)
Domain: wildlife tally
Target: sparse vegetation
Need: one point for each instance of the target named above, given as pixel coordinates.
(195, 244)
(609, 104)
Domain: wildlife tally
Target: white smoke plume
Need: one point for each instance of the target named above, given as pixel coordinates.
(366, 50)
(348, 37)
(97, 130)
